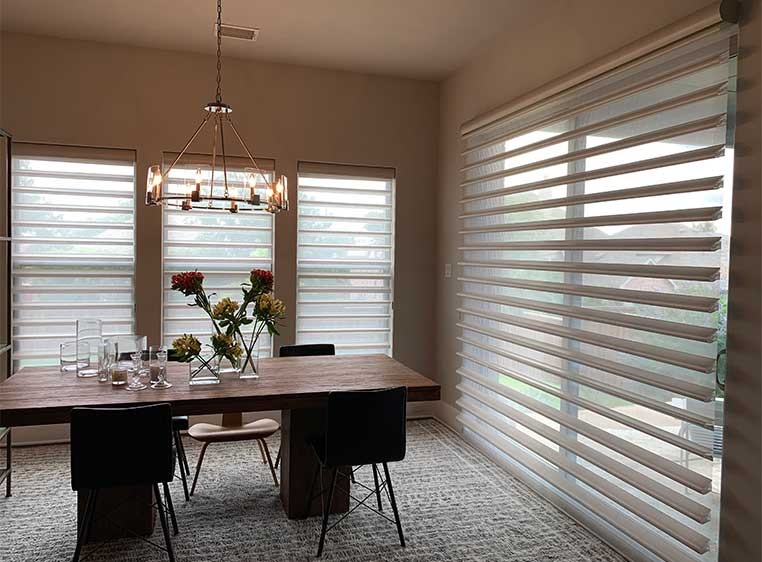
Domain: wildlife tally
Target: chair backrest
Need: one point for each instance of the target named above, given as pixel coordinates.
(306, 350)
(365, 427)
(121, 446)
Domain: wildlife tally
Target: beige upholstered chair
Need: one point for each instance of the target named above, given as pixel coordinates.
(233, 429)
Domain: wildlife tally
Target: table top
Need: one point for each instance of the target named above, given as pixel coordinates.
(43, 395)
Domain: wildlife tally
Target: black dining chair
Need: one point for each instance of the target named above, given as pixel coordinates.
(304, 350)
(361, 428)
(117, 447)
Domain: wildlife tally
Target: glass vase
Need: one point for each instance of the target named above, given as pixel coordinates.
(249, 363)
(204, 370)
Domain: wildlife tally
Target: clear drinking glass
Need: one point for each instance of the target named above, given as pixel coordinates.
(135, 372)
(107, 361)
(74, 356)
(90, 332)
(161, 365)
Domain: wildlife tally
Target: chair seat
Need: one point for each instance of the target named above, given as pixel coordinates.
(213, 433)
(180, 423)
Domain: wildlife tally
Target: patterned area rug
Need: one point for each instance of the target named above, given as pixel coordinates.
(455, 505)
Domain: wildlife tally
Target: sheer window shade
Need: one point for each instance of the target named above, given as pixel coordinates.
(345, 265)
(593, 264)
(73, 245)
(224, 246)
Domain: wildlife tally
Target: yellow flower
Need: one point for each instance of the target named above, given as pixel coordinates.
(270, 307)
(187, 346)
(224, 308)
(227, 346)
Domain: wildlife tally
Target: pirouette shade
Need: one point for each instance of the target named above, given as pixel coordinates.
(593, 258)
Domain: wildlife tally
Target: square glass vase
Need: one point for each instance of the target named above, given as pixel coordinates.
(204, 370)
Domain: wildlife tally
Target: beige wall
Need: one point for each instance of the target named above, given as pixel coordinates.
(86, 93)
(576, 33)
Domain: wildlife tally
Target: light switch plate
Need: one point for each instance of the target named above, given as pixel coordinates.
(448, 270)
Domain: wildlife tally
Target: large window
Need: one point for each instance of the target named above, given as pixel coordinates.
(345, 257)
(73, 249)
(593, 278)
(225, 247)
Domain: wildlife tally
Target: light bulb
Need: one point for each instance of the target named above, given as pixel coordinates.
(252, 181)
(198, 176)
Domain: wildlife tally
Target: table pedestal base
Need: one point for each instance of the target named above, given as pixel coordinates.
(298, 464)
(129, 507)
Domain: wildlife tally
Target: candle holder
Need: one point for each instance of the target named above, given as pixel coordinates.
(160, 366)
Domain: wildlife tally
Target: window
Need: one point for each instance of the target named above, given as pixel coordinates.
(345, 266)
(595, 232)
(73, 227)
(225, 247)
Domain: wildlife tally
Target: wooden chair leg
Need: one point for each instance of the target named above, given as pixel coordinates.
(198, 467)
(378, 490)
(8, 460)
(327, 511)
(261, 451)
(85, 528)
(263, 444)
(277, 457)
(164, 526)
(394, 504)
(170, 508)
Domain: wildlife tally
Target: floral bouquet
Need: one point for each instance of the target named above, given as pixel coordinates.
(229, 318)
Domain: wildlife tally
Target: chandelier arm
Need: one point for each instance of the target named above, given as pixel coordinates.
(187, 144)
(224, 159)
(248, 153)
(214, 155)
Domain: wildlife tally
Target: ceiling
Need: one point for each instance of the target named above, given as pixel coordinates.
(414, 38)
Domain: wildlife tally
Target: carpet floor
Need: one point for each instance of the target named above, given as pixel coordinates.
(455, 505)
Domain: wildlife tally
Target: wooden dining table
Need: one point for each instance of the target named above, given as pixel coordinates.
(298, 386)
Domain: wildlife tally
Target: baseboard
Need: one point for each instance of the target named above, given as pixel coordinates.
(448, 415)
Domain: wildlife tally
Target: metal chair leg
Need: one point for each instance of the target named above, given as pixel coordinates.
(182, 463)
(180, 446)
(198, 467)
(277, 458)
(170, 508)
(184, 480)
(327, 511)
(378, 489)
(164, 526)
(263, 444)
(84, 530)
(394, 503)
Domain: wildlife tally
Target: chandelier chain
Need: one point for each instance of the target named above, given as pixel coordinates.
(219, 51)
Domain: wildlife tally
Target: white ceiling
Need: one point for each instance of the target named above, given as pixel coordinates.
(414, 38)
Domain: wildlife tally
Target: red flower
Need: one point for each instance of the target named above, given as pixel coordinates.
(188, 282)
(261, 281)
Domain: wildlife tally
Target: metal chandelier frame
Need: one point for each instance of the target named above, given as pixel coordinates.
(234, 199)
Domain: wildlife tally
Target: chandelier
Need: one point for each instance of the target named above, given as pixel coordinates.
(197, 193)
